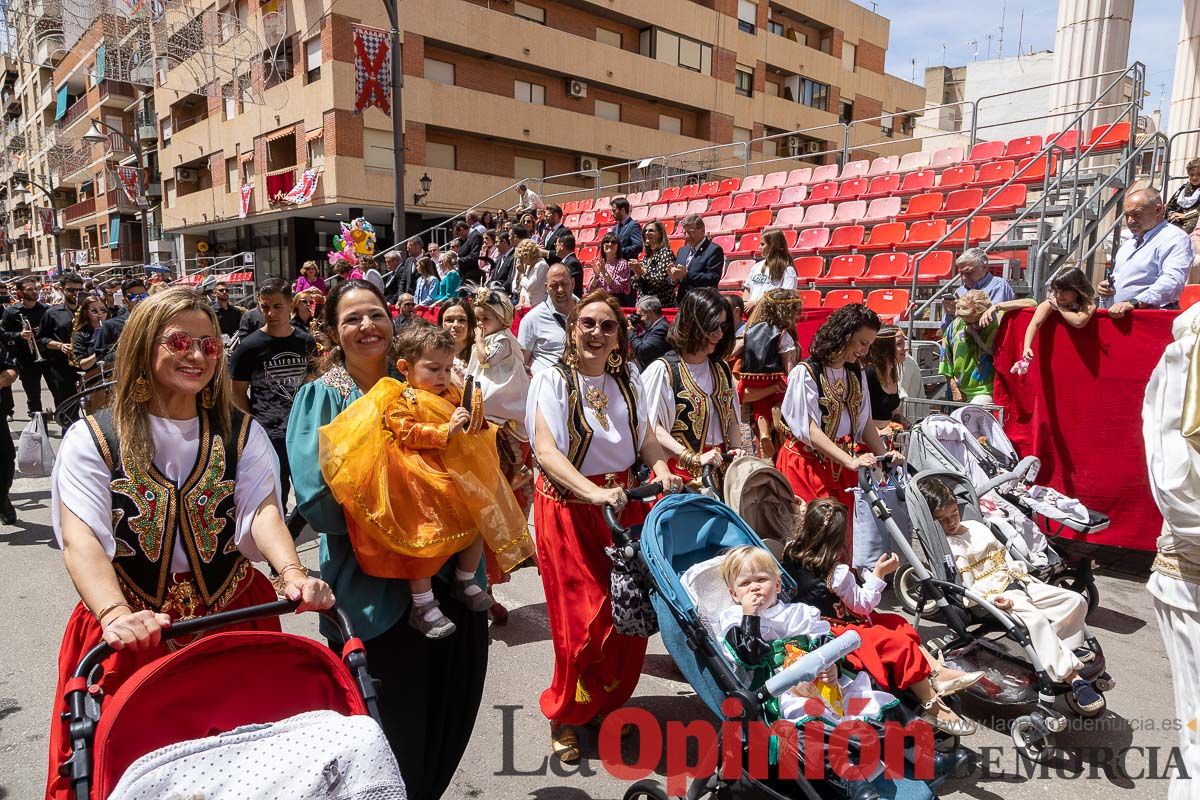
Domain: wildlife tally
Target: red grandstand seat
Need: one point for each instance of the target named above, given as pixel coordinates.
(845, 238)
(925, 232)
(725, 242)
(1038, 172)
(669, 194)
(1106, 138)
(689, 192)
(1067, 140)
(775, 180)
(1022, 146)
(882, 209)
(922, 206)
(882, 186)
(979, 229)
(844, 269)
(810, 298)
(884, 165)
(712, 222)
(677, 209)
(742, 201)
(747, 245)
(916, 182)
(836, 298)
(791, 196)
(995, 173)
(912, 162)
(889, 304)
(946, 157)
(570, 207)
(752, 183)
(855, 169)
(585, 205)
(589, 253)
(984, 152)
(676, 245)
(885, 268)
(587, 235)
(790, 237)
(637, 213)
(587, 275)
(817, 216)
(852, 189)
(850, 211)
(634, 198)
(1007, 200)
(799, 177)
(658, 210)
(735, 274)
(729, 186)
(587, 219)
(697, 206)
(757, 220)
(934, 267)
(669, 226)
(733, 221)
(571, 220)
(955, 177)
(821, 193)
(651, 197)
(790, 217)
(824, 174)
(602, 202)
(811, 240)
(604, 218)
(1190, 296)
(960, 203)
(766, 198)
(884, 236)
(719, 205)
(809, 268)
(709, 189)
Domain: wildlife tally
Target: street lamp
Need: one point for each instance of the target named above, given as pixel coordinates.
(96, 135)
(22, 179)
(425, 182)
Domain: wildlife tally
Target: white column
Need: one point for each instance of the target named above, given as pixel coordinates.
(1093, 37)
(1185, 92)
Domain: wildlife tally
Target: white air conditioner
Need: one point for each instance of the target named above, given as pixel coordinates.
(813, 147)
(589, 164)
(576, 88)
(186, 175)
(793, 145)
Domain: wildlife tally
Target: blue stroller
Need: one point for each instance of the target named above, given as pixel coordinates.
(681, 532)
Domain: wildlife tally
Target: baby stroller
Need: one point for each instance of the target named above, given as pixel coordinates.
(983, 636)
(972, 442)
(763, 498)
(290, 719)
(681, 532)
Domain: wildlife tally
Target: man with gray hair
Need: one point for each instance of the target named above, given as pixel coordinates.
(700, 262)
(1151, 268)
(649, 337)
(975, 274)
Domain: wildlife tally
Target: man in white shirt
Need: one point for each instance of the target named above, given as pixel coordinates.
(1151, 268)
(528, 200)
(543, 331)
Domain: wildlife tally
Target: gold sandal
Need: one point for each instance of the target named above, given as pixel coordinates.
(564, 743)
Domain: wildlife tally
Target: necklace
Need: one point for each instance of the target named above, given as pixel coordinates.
(597, 401)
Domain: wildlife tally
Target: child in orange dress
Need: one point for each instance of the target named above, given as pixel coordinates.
(420, 482)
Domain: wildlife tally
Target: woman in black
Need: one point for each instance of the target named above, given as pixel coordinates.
(85, 332)
(883, 379)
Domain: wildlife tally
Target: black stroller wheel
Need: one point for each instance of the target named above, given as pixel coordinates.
(908, 591)
(1089, 589)
(647, 789)
(1032, 740)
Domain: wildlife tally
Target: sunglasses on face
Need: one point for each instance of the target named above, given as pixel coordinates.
(607, 327)
(180, 344)
(72, 289)
(135, 298)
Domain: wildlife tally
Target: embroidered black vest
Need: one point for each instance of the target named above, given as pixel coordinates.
(760, 355)
(150, 513)
(579, 433)
(836, 398)
(691, 402)
(815, 592)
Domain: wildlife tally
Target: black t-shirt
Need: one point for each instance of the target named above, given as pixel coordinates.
(275, 367)
(883, 404)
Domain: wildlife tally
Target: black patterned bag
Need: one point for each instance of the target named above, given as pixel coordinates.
(632, 612)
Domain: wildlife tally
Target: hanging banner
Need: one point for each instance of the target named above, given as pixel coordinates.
(302, 192)
(46, 218)
(372, 69)
(128, 178)
(246, 190)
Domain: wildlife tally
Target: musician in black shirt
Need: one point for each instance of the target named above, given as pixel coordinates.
(19, 339)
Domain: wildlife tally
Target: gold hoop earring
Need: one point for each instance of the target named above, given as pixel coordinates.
(615, 361)
(206, 397)
(141, 390)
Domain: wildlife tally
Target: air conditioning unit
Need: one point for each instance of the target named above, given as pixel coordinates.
(813, 147)
(576, 88)
(186, 175)
(794, 145)
(589, 164)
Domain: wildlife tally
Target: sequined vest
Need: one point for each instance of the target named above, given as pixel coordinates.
(150, 513)
(691, 402)
(579, 433)
(836, 398)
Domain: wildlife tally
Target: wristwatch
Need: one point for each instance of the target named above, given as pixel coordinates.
(1136, 303)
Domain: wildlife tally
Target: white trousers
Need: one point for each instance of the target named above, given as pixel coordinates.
(982, 400)
(1055, 619)
(1180, 630)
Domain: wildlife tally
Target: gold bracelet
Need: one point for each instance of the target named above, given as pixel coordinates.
(294, 565)
(109, 609)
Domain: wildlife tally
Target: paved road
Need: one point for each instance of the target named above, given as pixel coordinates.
(507, 757)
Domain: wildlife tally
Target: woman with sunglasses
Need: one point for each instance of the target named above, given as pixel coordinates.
(85, 333)
(690, 393)
(171, 440)
(429, 691)
(587, 433)
(310, 278)
(611, 273)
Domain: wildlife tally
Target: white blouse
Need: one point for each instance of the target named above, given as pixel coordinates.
(531, 283)
(502, 380)
(861, 600)
(660, 397)
(759, 282)
(801, 404)
(610, 450)
(81, 479)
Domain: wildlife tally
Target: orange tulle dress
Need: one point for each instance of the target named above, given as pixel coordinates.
(412, 495)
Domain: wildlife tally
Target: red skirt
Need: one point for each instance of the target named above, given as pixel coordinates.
(813, 476)
(83, 633)
(890, 651)
(516, 462)
(596, 669)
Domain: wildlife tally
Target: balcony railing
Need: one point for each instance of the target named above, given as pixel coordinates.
(116, 198)
(117, 89)
(80, 210)
(77, 110)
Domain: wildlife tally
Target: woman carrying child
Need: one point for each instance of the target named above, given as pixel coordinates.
(891, 650)
(768, 355)
(587, 434)
(689, 392)
(1070, 294)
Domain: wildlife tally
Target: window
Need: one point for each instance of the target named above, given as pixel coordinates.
(847, 115)
(670, 124)
(440, 71)
(529, 12)
(529, 167)
(605, 36)
(441, 156)
(827, 44)
(747, 15)
(281, 63)
(813, 94)
(772, 89)
(690, 54)
(104, 235)
(885, 124)
(377, 149)
(670, 48)
(775, 28)
(849, 52)
(743, 136)
(231, 174)
(169, 188)
(230, 101)
(316, 152)
(530, 92)
(312, 60)
(166, 129)
(743, 80)
(607, 110)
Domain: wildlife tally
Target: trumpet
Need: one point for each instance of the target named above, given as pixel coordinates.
(33, 345)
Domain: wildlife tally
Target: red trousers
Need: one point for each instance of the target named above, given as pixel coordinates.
(890, 651)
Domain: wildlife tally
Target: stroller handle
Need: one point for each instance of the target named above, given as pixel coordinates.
(885, 462)
(645, 492)
(807, 668)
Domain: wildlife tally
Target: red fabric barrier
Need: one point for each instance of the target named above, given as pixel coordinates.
(1080, 411)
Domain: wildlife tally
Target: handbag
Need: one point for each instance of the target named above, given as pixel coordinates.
(35, 456)
(632, 612)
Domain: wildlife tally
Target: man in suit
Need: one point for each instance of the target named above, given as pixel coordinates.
(401, 277)
(470, 246)
(566, 256)
(650, 342)
(700, 263)
(504, 273)
(554, 215)
(627, 231)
